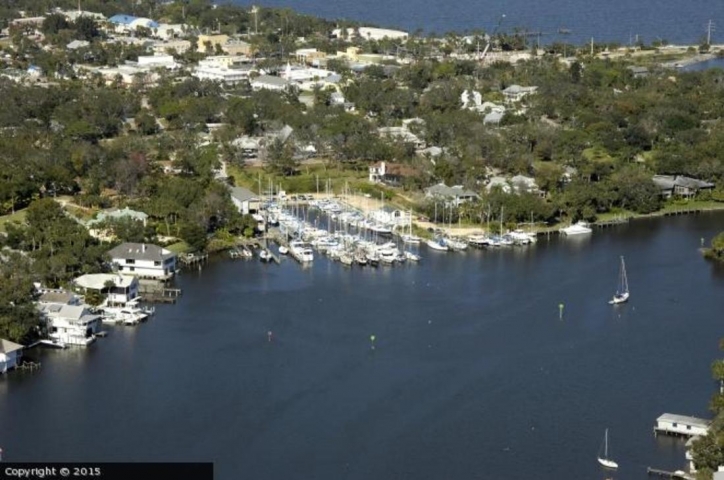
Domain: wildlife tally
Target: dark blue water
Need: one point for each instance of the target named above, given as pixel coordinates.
(610, 21)
(473, 376)
(700, 66)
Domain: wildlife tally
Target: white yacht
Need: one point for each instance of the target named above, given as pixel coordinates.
(301, 251)
(437, 245)
(578, 228)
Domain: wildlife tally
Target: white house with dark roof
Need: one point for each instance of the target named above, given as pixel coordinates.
(244, 199)
(70, 324)
(10, 353)
(144, 260)
(455, 194)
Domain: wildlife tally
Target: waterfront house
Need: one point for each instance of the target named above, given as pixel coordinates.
(71, 324)
(672, 424)
(680, 185)
(516, 93)
(118, 289)
(59, 297)
(453, 195)
(144, 260)
(245, 200)
(10, 353)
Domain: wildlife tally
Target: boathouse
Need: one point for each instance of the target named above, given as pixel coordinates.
(672, 424)
(10, 353)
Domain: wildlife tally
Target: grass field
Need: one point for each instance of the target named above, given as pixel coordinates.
(18, 216)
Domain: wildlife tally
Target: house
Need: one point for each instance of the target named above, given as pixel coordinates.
(128, 23)
(157, 61)
(119, 214)
(179, 46)
(76, 44)
(227, 75)
(390, 216)
(269, 82)
(499, 183)
(672, 424)
(638, 72)
(455, 195)
(59, 297)
(524, 184)
(119, 289)
(144, 260)
(70, 324)
(389, 173)
(248, 146)
(10, 354)
(516, 93)
(680, 185)
(244, 199)
(403, 134)
(211, 41)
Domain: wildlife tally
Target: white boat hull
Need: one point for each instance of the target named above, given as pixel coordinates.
(608, 463)
(618, 299)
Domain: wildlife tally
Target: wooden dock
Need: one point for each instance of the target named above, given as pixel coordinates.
(655, 472)
(190, 259)
(612, 222)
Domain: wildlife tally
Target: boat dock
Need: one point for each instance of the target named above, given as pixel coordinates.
(191, 259)
(666, 474)
(681, 425)
(612, 222)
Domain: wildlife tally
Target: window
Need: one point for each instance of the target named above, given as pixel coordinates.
(157, 264)
(133, 269)
(130, 261)
(688, 427)
(674, 425)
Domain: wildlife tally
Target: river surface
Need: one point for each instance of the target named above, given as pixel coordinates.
(474, 375)
(610, 21)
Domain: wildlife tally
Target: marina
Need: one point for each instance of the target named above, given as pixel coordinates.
(464, 342)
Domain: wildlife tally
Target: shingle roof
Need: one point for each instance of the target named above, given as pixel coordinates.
(243, 194)
(6, 346)
(97, 281)
(141, 251)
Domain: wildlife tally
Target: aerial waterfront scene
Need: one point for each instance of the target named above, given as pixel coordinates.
(325, 240)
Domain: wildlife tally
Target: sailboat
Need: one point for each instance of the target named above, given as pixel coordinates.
(605, 461)
(622, 292)
(409, 237)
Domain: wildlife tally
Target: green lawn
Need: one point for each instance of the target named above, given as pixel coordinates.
(179, 247)
(18, 216)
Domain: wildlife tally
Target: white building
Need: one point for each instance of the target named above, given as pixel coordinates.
(681, 425)
(455, 195)
(71, 324)
(226, 75)
(123, 290)
(516, 93)
(158, 61)
(10, 354)
(144, 260)
(371, 33)
(244, 199)
(269, 82)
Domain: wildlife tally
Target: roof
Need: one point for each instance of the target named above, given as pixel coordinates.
(6, 346)
(668, 182)
(56, 297)
(77, 44)
(140, 251)
(70, 313)
(270, 80)
(518, 89)
(443, 190)
(122, 19)
(693, 421)
(97, 281)
(243, 194)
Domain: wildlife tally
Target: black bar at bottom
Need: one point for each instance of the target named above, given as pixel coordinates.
(106, 471)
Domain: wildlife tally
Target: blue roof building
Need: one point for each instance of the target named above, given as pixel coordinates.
(132, 22)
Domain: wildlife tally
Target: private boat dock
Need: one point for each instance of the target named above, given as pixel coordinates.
(666, 474)
(681, 425)
(612, 222)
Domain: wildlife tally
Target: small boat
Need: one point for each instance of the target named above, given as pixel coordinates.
(411, 239)
(412, 257)
(265, 256)
(360, 259)
(578, 228)
(622, 293)
(605, 460)
(437, 245)
(283, 250)
(346, 259)
(373, 259)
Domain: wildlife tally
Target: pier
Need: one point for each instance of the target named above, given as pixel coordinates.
(612, 222)
(655, 472)
(190, 259)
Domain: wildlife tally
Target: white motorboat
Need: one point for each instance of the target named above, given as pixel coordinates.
(436, 245)
(283, 250)
(454, 244)
(265, 256)
(412, 257)
(411, 239)
(622, 293)
(301, 251)
(578, 228)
